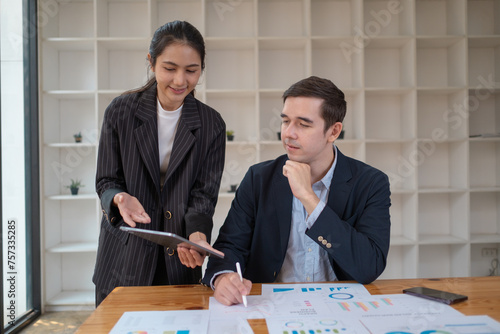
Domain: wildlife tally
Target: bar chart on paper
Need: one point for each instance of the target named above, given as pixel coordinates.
(389, 305)
(365, 306)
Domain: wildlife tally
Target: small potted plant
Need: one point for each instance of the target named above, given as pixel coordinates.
(230, 135)
(75, 186)
(78, 137)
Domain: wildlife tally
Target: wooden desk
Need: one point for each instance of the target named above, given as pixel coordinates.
(483, 292)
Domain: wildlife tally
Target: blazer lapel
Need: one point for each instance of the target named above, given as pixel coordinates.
(283, 200)
(184, 137)
(339, 188)
(146, 133)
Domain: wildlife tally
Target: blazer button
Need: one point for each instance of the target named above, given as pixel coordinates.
(324, 242)
(320, 238)
(328, 245)
(168, 214)
(170, 251)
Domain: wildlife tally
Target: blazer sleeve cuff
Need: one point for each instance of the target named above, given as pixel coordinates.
(197, 222)
(110, 211)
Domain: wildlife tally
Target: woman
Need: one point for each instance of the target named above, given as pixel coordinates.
(160, 161)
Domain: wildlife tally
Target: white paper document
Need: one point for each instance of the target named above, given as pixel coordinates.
(163, 322)
(272, 306)
(330, 291)
(443, 325)
(228, 325)
(395, 305)
(315, 325)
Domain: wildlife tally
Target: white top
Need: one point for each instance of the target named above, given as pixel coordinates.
(167, 127)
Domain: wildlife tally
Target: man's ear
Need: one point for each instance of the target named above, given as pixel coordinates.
(334, 131)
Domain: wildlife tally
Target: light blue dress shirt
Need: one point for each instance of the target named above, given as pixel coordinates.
(305, 260)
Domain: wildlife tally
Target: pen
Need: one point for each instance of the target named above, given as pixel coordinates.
(238, 269)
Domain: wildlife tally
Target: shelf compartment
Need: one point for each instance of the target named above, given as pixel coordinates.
(390, 62)
(270, 151)
(484, 62)
(401, 262)
(443, 218)
(230, 18)
(483, 265)
(230, 64)
(71, 284)
(69, 56)
(441, 114)
(270, 108)
(403, 219)
(239, 157)
(272, 22)
(440, 18)
(238, 111)
(398, 107)
(483, 17)
(62, 164)
(444, 261)
(77, 300)
(117, 18)
(66, 18)
(123, 64)
(485, 216)
(354, 121)
(484, 113)
(66, 115)
(441, 166)
(388, 18)
(335, 18)
(484, 164)
(441, 62)
(352, 148)
(163, 11)
(393, 159)
(81, 214)
(274, 73)
(337, 60)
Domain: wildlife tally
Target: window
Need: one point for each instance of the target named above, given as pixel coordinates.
(19, 165)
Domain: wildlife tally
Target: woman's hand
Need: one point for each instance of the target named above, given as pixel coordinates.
(190, 257)
(131, 209)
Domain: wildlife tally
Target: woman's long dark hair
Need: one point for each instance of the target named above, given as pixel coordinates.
(180, 32)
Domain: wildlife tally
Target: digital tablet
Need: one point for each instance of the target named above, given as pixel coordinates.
(168, 239)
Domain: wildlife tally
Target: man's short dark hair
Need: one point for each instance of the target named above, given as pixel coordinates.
(333, 108)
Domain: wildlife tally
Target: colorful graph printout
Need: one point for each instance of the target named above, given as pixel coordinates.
(163, 322)
(391, 305)
(316, 325)
(329, 290)
(438, 325)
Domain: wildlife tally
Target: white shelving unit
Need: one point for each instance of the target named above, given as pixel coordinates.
(421, 79)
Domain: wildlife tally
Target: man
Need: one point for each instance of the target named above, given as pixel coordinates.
(310, 215)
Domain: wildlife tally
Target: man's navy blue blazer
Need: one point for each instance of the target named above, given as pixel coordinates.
(353, 228)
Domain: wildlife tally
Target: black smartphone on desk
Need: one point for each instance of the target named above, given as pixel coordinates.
(436, 295)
